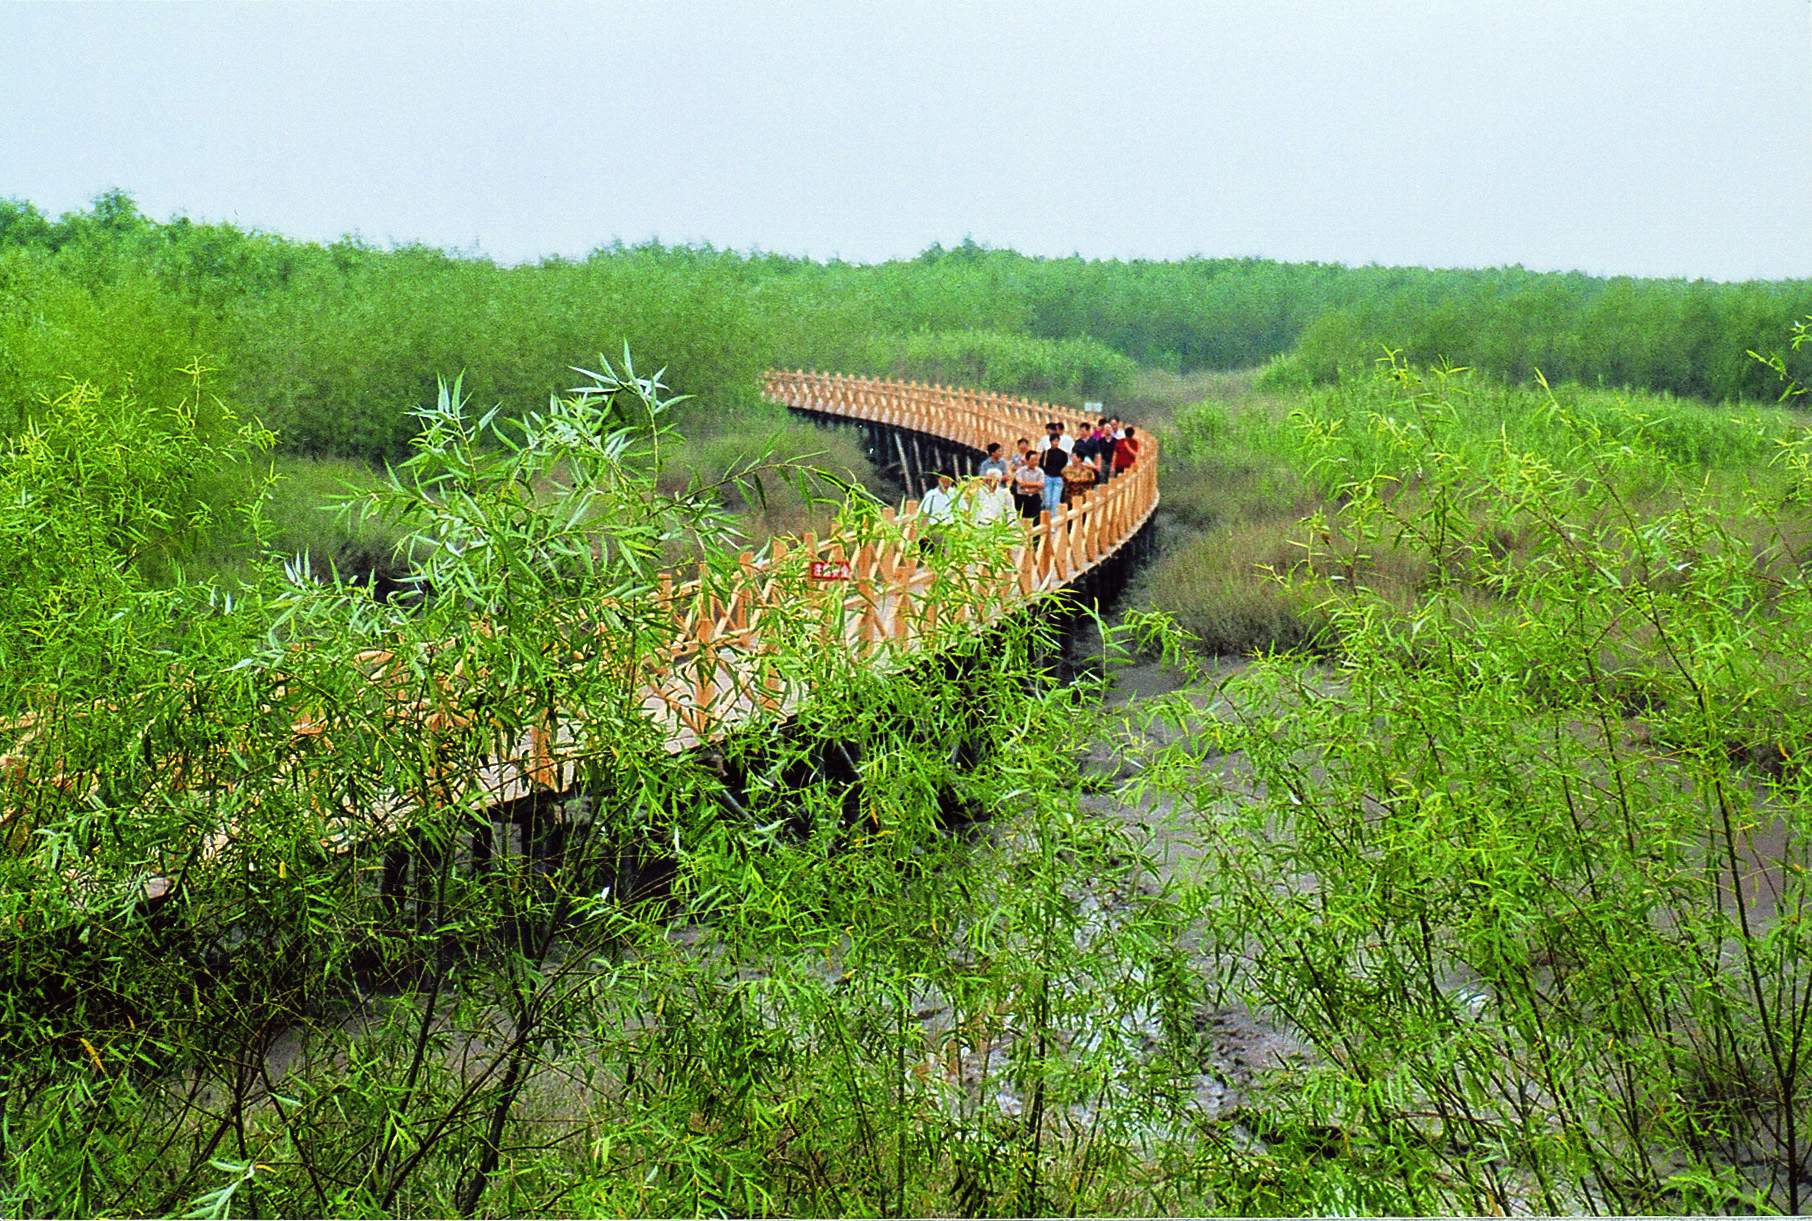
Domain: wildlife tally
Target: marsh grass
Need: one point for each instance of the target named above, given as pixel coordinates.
(830, 460)
(1504, 852)
(1255, 479)
(1063, 368)
(303, 519)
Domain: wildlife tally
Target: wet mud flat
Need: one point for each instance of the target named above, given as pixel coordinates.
(974, 1063)
(1766, 853)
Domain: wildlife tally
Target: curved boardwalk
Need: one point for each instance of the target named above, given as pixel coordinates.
(1060, 548)
(882, 594)
(871, 590)
(868, 588)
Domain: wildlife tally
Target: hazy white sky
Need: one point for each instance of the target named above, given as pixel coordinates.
(1661, 137)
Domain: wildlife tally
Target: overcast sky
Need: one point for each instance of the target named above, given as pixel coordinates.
(1668, 137)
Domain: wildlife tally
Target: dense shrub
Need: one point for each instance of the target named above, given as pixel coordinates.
(1063, 369)
(104, 500)
(1688, 339)
(759, 977)
(1522, 852)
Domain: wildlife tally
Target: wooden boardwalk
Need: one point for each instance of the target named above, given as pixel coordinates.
(872, 589)
(716, 676)
(883, 600)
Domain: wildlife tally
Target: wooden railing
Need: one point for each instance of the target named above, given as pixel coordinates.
(1061, 546)
(873, 589)
(881, 601)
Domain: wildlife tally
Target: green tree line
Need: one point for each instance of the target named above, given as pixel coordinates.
(332, 344)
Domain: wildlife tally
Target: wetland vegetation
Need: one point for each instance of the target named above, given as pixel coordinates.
(1458, 863)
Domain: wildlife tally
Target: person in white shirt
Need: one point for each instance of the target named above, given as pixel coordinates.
(989, 500)
(1054, 435)
(938, 505)
(1027, 480)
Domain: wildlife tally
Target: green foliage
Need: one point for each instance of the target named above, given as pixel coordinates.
(1284, 374)
(1688, 339)
(1522, 858)
(123, 335)
(354, 339)
(332, 346)
(102, 499)
(303, 518)
(1354, 428)
(1064, 369)
(263, 952)
(1243, 470)
(826, 464)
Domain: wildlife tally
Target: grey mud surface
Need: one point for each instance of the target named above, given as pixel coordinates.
(1237, 1046)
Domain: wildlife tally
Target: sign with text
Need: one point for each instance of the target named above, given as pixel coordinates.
(829, 570)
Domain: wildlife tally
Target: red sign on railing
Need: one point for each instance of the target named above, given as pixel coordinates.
(829, 570)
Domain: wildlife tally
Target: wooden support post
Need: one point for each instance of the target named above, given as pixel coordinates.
(542, 769)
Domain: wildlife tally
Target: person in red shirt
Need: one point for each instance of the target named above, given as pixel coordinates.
(1126, 450)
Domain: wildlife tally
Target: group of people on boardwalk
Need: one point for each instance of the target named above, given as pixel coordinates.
(1036, 479)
